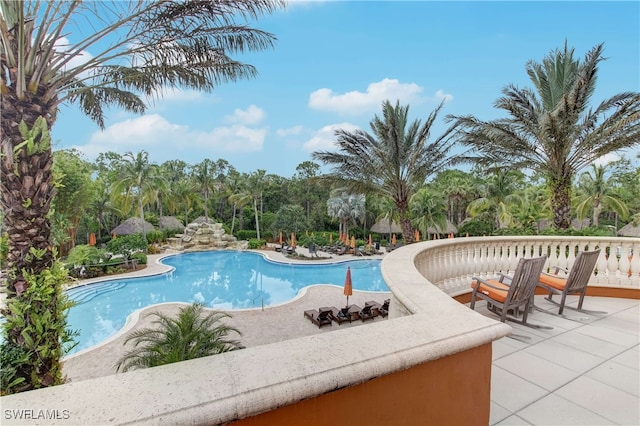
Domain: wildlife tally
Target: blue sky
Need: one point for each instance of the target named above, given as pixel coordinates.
(335, 62)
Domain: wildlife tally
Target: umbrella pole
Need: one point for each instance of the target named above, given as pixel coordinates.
(347, 302)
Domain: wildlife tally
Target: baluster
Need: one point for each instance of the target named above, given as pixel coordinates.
(612, 264)
(503, 261)
(601, 265)
(543, 248)
(635, 265)
(470, 261)
(571, 254)
(494, 260)
(513, 255)
(624, 264)
(553, 254)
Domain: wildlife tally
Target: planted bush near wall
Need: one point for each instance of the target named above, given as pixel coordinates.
(255, 243)
(246, 234)
(34, 334)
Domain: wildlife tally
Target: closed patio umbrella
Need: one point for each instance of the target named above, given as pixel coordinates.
(393, 239)
(293, 239)
(348, 285)
(92, 239)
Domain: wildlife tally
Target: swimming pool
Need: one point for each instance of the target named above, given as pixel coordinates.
(218, 279)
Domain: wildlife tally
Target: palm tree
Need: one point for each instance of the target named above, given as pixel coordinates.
(193, 334)
(138, 179)
(394, 162)
(596, 192)
(552, 129)
(204, 177)
(346, 207)
(131, 50)
(498, 193)
(183, 196)
(428, 210)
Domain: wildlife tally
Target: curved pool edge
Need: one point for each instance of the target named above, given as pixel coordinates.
(159, 268)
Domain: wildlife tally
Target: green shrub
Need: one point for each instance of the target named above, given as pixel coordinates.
(154, 237)
(126, 245)
(246, 234)
(140, 257)
(85, 255)
(34, 333)
(255, 243)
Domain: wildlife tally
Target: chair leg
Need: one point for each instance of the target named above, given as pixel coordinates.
(584, 290)
(562, 301)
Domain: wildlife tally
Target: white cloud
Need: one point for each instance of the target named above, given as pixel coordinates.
(146, 130)
(295, 130)
(252, 115)
(62, 45)
(236, 138)
(440, 96)
(179, 95)
(324, 138)
(606, 159)
(355, 102)
(157, 135)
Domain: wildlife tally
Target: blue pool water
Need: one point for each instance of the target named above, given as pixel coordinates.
(219, 279)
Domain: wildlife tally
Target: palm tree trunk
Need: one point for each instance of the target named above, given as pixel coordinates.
(233, 218)
(255, 212)
(141, 210)
(596, 213)
(561, 204)
(27, 192)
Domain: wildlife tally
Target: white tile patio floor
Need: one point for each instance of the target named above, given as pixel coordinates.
(585, 371)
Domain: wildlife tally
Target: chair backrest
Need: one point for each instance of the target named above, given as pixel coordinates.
(524, 281)
(581, 270)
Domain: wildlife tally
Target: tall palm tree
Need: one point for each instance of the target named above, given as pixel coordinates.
(394, 161)
(138, 179)
(205, 178)
(552, 128)
(192, 334)
(346, 207)
(498, 192)
(428, 209)
(131, 50)
(183, 196)
(596, 192)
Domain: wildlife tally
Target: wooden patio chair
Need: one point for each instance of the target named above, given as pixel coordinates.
(574, 283)
(319, 317)
(510, 293)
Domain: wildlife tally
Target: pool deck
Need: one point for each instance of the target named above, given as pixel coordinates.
(586, 370)
(284, 321)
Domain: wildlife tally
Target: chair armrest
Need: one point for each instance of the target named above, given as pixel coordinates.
(488, 284)
(506, 279)
(558, 269)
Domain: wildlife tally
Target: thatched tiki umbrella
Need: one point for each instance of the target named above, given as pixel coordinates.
(629, 230)
(133, 225)
(386, 226)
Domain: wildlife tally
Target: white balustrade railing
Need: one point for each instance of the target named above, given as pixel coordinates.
(450, 264)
